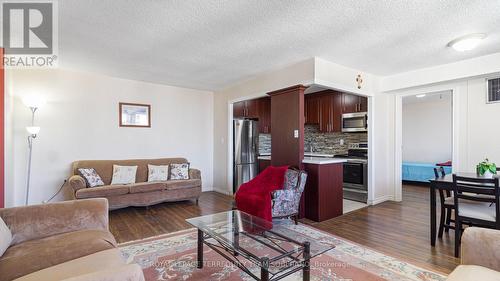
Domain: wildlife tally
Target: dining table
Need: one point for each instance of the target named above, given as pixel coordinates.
(443, 183)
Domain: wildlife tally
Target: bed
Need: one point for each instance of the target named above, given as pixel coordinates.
(420, 172)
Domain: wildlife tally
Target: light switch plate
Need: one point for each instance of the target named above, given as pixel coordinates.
(296, 134)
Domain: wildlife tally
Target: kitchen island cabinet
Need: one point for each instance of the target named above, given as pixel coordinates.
(323, 192)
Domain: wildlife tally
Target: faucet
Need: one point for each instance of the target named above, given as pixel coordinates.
(311, 148)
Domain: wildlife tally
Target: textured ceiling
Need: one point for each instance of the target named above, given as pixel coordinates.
(212, 44)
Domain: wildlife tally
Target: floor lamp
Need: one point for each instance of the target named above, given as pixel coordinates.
(33, 105)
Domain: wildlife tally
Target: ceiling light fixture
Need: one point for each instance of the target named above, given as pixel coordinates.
(467, 42)
(420, 96)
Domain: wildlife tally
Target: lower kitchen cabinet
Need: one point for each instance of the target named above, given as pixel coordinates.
(263, 164)
(323, 192)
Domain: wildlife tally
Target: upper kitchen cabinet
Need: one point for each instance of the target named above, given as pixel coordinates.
(325, 109)
(312, 109)
(246, 109)
(258, 109)
(330, 112)
(264, 108)
(239, 109)
(353, 103)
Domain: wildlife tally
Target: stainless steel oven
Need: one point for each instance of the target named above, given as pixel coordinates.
(355, 122)
(356, 172)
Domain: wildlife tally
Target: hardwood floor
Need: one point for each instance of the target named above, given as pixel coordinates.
(398, 229)
(136, 223)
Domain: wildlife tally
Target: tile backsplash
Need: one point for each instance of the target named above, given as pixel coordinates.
(327, 143)
(264, 143)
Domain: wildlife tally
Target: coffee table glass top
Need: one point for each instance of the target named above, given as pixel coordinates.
(254, 238)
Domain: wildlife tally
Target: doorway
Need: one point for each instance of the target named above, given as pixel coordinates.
(424, 136)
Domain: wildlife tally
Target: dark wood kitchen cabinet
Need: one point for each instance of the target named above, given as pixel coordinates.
(353, 103)
(246, 109)
(323, 194)
(312, 109)
(263, 164)
(330, 112)
(264, 115)
(326, 113)
(239, 109)
(256, 108)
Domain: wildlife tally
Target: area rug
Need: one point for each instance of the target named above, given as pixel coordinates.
(173, 257)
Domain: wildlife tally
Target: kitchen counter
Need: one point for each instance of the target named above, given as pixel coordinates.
(314, 154)
(264, 157)
(322, 160)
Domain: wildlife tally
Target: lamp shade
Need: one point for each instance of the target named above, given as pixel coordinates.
(33, 101)
(33, 130)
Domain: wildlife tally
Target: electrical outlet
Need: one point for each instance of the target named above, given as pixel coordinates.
(296, 134)
(342, 142)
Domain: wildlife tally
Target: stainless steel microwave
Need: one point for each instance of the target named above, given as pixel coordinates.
(355, 122)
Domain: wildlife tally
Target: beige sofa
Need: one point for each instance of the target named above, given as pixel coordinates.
(63, 241)
(142, 193)
(480, 256)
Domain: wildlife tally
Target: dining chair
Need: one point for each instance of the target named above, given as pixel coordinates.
(476, 203)
(447, 205)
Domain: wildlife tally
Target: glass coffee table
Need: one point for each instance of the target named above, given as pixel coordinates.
(246, 240)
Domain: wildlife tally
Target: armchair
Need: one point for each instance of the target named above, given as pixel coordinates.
(480, 257)
(286, 201)
(64, 240)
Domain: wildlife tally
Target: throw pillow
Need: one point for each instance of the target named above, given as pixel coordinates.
(123, 174)
(179, 171)
(5, 237)
(91, 177)
(157, 173)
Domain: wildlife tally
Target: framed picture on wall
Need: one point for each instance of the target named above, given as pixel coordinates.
(135, 115)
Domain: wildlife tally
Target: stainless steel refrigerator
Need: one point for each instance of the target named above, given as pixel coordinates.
(246, 148)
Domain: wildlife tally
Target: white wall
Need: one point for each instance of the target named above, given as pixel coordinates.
(483, 130)
(80, 121)
(427, 130)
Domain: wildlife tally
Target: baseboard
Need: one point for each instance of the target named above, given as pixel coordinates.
(381, 199)
(222, 190)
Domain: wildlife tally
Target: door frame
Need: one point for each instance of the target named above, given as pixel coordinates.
(398, 151)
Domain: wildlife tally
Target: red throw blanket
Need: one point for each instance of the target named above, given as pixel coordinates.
(254, 197)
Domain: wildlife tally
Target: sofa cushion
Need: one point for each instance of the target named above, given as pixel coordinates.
(102, 191)
(179, 184)
(157, 173)
(123, 174)
(95, 262)
(5, 237)
(34, 255)
(179, 171)
(147, 187)
(473, 273)
(92, 179)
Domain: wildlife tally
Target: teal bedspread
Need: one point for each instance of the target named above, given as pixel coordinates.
(420, 172)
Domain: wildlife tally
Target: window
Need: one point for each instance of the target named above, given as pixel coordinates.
(493, 90)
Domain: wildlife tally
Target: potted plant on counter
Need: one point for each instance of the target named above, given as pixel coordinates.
(486, 169)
